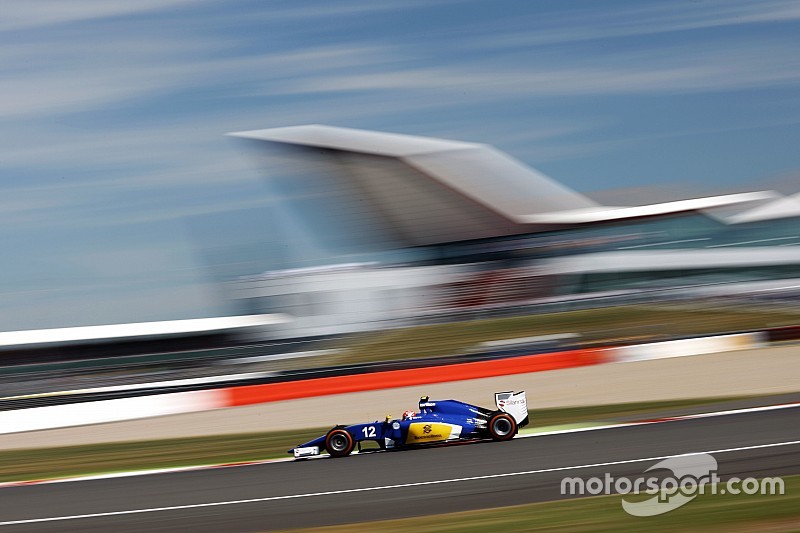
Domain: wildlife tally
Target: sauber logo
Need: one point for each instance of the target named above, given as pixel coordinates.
(427, 432)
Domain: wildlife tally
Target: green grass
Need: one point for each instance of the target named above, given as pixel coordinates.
(595, 326)
(140, 455)
(708, 512)
(623, 411)
(17, 465)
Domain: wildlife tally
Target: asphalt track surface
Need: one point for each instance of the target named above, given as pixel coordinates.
(386, 485)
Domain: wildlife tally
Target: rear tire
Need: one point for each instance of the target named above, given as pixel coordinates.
(339, 443)
(502, 426)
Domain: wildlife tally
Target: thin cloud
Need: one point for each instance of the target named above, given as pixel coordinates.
(642, 21)
(77, 83)
(28, 14)
(743, 67)
(294, 11)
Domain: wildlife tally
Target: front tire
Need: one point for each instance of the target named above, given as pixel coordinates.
(339, 443)
(502, 427)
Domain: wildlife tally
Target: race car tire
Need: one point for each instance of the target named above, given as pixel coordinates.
(339, 443)
(502, 426)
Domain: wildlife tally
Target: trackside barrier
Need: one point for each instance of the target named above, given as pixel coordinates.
(783, 333)
(79, 414)
(686, 347)
(272, 392)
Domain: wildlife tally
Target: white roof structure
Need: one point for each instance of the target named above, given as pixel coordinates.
(423, 190)
(785, 207)
(604, 213)
(137, 330)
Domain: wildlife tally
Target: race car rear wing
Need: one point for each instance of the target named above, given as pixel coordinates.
(514, 404)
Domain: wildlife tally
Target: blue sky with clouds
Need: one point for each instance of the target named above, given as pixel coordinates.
(113, 115)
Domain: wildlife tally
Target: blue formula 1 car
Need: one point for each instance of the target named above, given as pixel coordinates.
(436, 422)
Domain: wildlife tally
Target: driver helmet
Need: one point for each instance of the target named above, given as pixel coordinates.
(408, 414)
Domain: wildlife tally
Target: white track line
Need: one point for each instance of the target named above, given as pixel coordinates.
(137, 473)
(383, 487)
(662, 420)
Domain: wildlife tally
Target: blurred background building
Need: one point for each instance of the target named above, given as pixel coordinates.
(416, 230)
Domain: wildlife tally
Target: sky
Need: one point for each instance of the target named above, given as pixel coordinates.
(113, 115)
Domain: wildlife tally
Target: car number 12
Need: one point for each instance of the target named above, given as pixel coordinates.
(369, 431)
